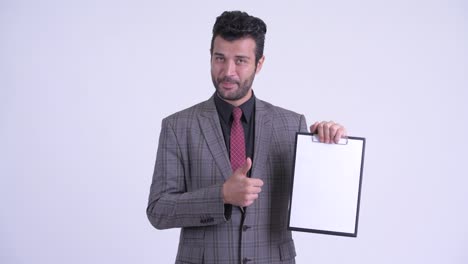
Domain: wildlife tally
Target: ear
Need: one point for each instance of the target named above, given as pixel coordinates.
(260, 64)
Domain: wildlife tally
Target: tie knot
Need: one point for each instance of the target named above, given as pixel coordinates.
(237, 113)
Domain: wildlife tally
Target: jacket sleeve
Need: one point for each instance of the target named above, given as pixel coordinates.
(303, 124)
(170, 204)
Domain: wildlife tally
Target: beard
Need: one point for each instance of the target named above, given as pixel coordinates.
(241, 91)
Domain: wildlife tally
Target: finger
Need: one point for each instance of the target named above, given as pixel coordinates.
(247, 203)
(255, 182)
(252, 197)
(245, 167)
(320, 131)
(313, 127)
(253, 190)
(335, 133)
(340, 133)
(249, 199)
(326, 131)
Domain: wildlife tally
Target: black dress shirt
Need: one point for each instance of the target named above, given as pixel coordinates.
(248, 122)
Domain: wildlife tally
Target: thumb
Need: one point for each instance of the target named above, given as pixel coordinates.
(313, 127)
(245, 167)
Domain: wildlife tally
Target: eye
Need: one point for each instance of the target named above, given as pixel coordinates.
(240, 61)
(219, 59)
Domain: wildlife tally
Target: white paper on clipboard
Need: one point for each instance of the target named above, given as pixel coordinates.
(326, 187)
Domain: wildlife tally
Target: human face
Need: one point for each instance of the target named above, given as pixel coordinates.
(233, 69)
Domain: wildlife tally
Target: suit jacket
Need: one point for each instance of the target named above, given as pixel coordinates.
(192, 164)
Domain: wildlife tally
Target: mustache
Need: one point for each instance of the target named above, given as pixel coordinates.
(228, 80)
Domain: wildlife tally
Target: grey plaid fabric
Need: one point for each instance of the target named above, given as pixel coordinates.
(192, 163)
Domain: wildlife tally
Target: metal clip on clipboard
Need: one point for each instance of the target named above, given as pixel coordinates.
(343, 141)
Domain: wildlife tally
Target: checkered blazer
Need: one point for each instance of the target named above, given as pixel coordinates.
(192, 164)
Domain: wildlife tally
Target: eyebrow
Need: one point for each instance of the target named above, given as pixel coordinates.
(236, 56)
(242, 57)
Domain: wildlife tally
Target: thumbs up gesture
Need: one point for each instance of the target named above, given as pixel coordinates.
(240, 190)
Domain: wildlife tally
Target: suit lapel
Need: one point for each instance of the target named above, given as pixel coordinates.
(263, 131)
(211, 129)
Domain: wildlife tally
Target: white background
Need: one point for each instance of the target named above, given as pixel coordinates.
(84, 86)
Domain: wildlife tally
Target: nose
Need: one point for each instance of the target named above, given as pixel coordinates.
(230, 68)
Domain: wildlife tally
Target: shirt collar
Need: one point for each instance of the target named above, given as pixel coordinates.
(225, 109)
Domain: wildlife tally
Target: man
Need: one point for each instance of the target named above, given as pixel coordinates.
(223, 167)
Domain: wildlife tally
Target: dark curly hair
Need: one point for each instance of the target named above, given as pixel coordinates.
(233, 25)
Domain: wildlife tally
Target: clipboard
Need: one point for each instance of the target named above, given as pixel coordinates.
(326, 185)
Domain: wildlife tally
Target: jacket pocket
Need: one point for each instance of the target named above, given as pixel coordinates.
(191, 245)
(193, 233)
(190, 253)
(287, 250)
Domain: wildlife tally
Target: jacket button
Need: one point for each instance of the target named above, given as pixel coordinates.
(244, 228)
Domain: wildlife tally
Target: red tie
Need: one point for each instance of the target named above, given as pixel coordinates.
(237, 140)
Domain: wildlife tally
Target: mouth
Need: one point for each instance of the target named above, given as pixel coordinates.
(228, 83)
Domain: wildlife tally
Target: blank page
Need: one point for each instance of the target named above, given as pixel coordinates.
(326, 187)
